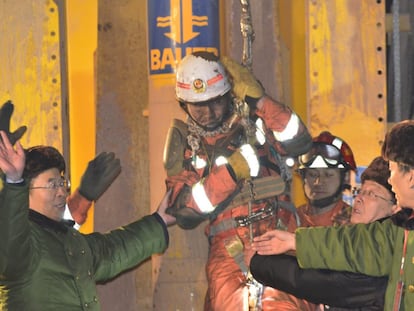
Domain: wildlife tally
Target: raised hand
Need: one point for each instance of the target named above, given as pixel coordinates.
(99, 175)
(12, 159)
(6, 112)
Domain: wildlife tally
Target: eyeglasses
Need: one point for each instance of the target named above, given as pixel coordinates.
(371, 195)
(330, 155)
(56, 184)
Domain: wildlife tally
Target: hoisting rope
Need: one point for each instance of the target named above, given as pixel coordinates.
(246, 28)
(255, 289)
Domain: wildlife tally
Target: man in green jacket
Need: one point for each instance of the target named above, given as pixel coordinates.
(377, 249)
(98, 176)
(45, 264)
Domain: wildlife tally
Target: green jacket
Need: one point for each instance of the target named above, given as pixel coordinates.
(48, 266)
(375, 249)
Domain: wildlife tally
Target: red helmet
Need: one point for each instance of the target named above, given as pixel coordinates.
(328, 151)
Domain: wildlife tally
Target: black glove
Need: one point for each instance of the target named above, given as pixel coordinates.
(99, 175)
(6, 112)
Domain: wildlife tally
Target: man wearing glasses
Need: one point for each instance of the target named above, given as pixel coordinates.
(337, 290)
(98, 176)
(44, 263)
(377, 249)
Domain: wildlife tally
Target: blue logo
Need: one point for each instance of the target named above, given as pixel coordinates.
(180, 27)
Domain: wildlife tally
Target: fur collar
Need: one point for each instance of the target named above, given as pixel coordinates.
(404, 218)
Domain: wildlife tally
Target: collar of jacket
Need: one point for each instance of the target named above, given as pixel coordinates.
(404, 218)
(45, 222)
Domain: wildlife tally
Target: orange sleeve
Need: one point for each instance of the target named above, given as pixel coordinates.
(78, 207)
(275, 115)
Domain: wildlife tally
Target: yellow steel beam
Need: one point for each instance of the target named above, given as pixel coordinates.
(346, 72)
(292, 42)
(30, 69)
(82, 28)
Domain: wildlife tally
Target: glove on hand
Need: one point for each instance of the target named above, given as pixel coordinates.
(244, 83)
(6, 112)
(99, 175)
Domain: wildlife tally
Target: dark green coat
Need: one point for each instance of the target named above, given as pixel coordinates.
(374, 249)
(48, 266)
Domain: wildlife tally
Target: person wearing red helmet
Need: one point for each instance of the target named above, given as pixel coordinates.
(324, 170)
(377, 249)
(225, 165)
(337, 290)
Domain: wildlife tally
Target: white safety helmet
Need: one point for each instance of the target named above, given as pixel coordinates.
(201, 77)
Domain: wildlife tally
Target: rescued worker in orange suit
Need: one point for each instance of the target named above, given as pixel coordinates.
(226, 164)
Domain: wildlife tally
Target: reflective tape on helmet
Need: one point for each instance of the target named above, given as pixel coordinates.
(290, 130)
(250, 156)
(201, 198)
(337, 143)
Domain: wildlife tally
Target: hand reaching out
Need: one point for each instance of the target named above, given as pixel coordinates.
(12, 160)
(168, 219)
(274, 242)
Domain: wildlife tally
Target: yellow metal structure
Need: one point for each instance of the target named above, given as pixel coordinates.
(82, 25)
(33, 75)
(346, 84)
(292, 41)
(30, 69)
(334, 61)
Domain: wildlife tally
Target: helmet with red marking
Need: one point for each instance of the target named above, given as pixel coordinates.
(201, 77)
(328, 151)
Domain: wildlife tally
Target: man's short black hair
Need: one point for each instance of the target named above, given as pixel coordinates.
(399, 143)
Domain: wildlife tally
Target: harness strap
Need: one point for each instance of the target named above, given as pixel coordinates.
(263, 188)
(224, 225)
(234, 247)
(242, 221)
